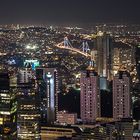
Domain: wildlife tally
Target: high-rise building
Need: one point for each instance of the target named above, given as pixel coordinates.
(28, 116)
(90, 97)
(104, 55)
(116, 60)
(124, 55)
(47, 89)
(24, 75)
(8, 108)
(121, 95)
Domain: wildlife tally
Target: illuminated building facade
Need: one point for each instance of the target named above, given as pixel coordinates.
(24, 75)
(64, 117)
(28, 117)
(33, 63)
(94, 57)
(58, 132)
(47, 89)
(116, 60)
(125, 56)
(121, 95)
(104, 55)
(90, 97)
(8, 108)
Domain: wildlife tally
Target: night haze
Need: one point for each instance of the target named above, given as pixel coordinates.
(69, 12)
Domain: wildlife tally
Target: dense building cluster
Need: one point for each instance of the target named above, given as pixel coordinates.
(51, 86)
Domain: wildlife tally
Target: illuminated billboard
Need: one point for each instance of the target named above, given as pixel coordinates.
(32, 63)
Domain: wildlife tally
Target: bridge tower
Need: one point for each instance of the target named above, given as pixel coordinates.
(67, 43)
(85, 47)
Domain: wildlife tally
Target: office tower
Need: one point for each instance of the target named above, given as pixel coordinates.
(104, 55)
(124, 55)
(8, 108)
(116, 60)
(121, 95)
(47, 89)
(24, 75)
(28, 117)
(90, 97)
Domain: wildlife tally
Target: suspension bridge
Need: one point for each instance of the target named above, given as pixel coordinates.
(83, 49)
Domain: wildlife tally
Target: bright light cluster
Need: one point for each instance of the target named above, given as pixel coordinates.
(31, 47)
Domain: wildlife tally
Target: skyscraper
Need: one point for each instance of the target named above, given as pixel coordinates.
(24, 75)
(104, 55)
(28, 117)
(8, 108)
(47, 89)
(125, 55)
(121, 95)
(90, 97)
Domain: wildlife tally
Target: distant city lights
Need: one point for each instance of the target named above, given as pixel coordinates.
(31, 47)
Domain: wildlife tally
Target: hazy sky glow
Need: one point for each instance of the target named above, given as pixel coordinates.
(68, 11)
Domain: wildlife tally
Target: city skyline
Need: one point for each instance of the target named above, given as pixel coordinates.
(70, 69)
(69, 12)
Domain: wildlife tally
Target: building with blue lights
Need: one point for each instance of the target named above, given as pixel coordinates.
(47, 89)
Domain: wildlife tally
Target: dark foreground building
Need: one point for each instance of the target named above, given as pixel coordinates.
(8, 108)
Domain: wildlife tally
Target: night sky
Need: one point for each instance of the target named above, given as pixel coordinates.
(69, 11)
